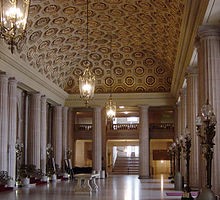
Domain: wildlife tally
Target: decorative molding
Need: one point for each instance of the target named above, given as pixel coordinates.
(28, 77)
(193, 17)
(130, 99)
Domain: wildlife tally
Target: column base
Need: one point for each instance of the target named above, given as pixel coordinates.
(206, 194)
(187, 196)
(143, 177)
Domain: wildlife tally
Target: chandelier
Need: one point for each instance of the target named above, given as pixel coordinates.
(87, 84)
(13, 22)
(110, 108)
(110, 105)
(87, 80)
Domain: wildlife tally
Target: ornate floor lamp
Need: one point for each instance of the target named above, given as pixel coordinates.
(205, 124)
(186, 145)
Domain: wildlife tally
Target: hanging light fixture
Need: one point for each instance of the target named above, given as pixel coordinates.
(87, 80)
(110, 105)
(13, 22)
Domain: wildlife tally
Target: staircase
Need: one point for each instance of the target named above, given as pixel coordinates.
(126, 165)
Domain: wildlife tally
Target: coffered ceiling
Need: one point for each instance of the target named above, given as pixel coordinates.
(141, 57)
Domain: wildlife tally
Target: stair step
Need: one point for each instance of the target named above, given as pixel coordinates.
(126, 165)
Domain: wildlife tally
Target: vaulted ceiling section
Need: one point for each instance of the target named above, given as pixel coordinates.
(141, 57)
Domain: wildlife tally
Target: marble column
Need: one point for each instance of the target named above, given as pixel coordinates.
(71, 142)
(34, 130)
(192, 111)
(183, 127)
(65, 128)
(209, 85)
(3, 121)
(176, 114)
(43, 134)
(144, 143)
(97, 140)
(12, 126)
(183, 110)
(179, 118)
(57, 134)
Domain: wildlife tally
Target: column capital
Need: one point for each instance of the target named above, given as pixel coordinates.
(3, 75)
(36, 94)
(144, 107)
(192, 70)
(43, 97)
(97, 108)
(58, 106)
(206, 31)
(12, 80)
(65, 108)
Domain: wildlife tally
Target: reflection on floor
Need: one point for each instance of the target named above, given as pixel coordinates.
(115, 187)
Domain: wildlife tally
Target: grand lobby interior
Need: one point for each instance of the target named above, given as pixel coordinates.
(157, 60)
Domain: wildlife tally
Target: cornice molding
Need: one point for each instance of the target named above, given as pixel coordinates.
(129, 99)
(193, 17)
(27, 77)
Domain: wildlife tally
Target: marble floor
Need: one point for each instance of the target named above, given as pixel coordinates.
(115, 187)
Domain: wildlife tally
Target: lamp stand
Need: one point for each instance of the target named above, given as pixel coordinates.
(187, 146)
(206, 131)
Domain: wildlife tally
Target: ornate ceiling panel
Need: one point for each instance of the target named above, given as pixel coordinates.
(141, 57)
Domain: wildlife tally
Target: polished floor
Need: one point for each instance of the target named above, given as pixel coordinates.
(115, 187)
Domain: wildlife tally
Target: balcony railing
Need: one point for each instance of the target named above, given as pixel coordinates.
(124, 127)
(130, 131)
(83, 127)
(166, 126)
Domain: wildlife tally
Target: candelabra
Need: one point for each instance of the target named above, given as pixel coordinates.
(205, 124)
(186, 145)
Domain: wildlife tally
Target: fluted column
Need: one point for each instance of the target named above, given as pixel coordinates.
(12, 116)
(43, 134)
(57, 137)
(209, 85)
(192, 111)
(183, 126)
(71, 124)
(179, 114)
(176, 118)
(97, 140)
(183, 111)
(144, 170)
(34, 130)
(65, 128)
(3, 121)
